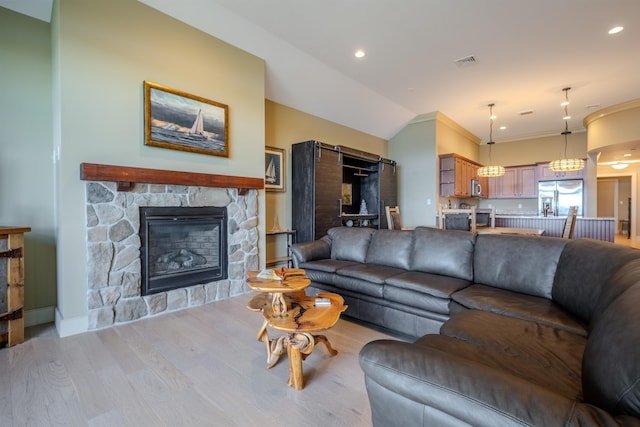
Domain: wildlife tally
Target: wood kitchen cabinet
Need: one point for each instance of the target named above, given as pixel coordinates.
(318, 172)
(546, 174)
(456, 174)
(517, 182)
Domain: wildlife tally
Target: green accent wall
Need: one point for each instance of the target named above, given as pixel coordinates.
(26, 151)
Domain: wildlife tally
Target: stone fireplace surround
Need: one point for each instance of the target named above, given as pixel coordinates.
(113, 248)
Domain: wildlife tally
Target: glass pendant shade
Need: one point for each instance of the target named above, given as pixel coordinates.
(491, 171)
(566, 165)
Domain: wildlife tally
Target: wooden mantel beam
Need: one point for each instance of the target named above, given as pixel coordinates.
(125, 176)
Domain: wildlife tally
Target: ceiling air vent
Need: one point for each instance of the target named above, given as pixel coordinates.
(466, 61)
(526, 112)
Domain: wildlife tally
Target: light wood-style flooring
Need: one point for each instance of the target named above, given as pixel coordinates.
(622, 240)
(196, 367)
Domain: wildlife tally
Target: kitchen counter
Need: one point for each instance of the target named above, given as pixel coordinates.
(591, 228)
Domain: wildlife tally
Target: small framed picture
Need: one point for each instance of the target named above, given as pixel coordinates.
(274, 167)
(181, 121)
(347, 194)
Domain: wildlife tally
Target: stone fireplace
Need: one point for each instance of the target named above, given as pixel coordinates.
(114, 265)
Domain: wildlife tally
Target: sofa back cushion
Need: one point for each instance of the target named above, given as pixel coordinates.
(525, 264)
(584, 268)
(350, 243)
(620, 281)
(444, 252)
(391, 248)
(610, 368)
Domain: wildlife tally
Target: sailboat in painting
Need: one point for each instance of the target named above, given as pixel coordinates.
(197, 129)
(270, 173)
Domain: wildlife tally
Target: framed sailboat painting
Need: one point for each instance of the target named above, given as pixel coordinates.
(274, 167)
(181, 121)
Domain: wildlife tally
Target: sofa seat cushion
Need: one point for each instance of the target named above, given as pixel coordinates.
(432, 284)
(326, 265)
(420, 300)
(355, 285)
(391, 248)
(566, 384)
(423, 290)
(370, 272)
(554, 353)
(445, 252)
(521, 306)
(318, 276)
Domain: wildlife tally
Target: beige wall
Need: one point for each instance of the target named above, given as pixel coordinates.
(452, 138)
(286, 126)
(26, 169)
(103, 51)
(618, 125)
(535, 150)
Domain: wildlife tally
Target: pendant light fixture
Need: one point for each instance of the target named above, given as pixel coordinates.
(491, 170)
(566, 164)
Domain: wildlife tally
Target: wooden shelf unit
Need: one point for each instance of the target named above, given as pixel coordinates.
(15, 284)
(290, 240)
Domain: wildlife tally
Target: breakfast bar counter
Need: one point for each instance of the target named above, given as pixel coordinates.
(592, 228)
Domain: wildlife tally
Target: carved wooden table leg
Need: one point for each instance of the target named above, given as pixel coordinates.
(298, 345)
(275, 347)
(279, 304)
(325, 341)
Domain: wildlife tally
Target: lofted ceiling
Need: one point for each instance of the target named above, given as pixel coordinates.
(523, 55)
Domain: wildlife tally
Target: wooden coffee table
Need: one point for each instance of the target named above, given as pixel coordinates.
(287, 308)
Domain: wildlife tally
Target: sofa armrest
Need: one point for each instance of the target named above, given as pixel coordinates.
(311, 251)
(434, 387)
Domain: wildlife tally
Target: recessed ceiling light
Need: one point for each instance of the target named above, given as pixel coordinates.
(619, 165)
(627, 155)
(503, 127)
(615, 30)
(359, 53)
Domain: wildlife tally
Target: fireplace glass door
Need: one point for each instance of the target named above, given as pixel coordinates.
(182, 246)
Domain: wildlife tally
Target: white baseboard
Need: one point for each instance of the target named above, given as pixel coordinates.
(73, 326)
(39, 316)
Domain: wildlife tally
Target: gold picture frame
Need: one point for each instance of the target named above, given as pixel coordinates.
(181, 121)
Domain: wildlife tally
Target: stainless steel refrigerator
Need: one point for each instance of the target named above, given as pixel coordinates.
(556, 197)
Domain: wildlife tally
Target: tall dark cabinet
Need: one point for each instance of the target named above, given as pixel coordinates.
(320, 173)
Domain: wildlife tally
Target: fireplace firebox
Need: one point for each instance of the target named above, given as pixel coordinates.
(182, 246)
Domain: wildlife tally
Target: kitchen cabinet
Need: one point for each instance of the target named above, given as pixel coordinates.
(546, 174)
(517, 182)
(456, 174)
(318, 172)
